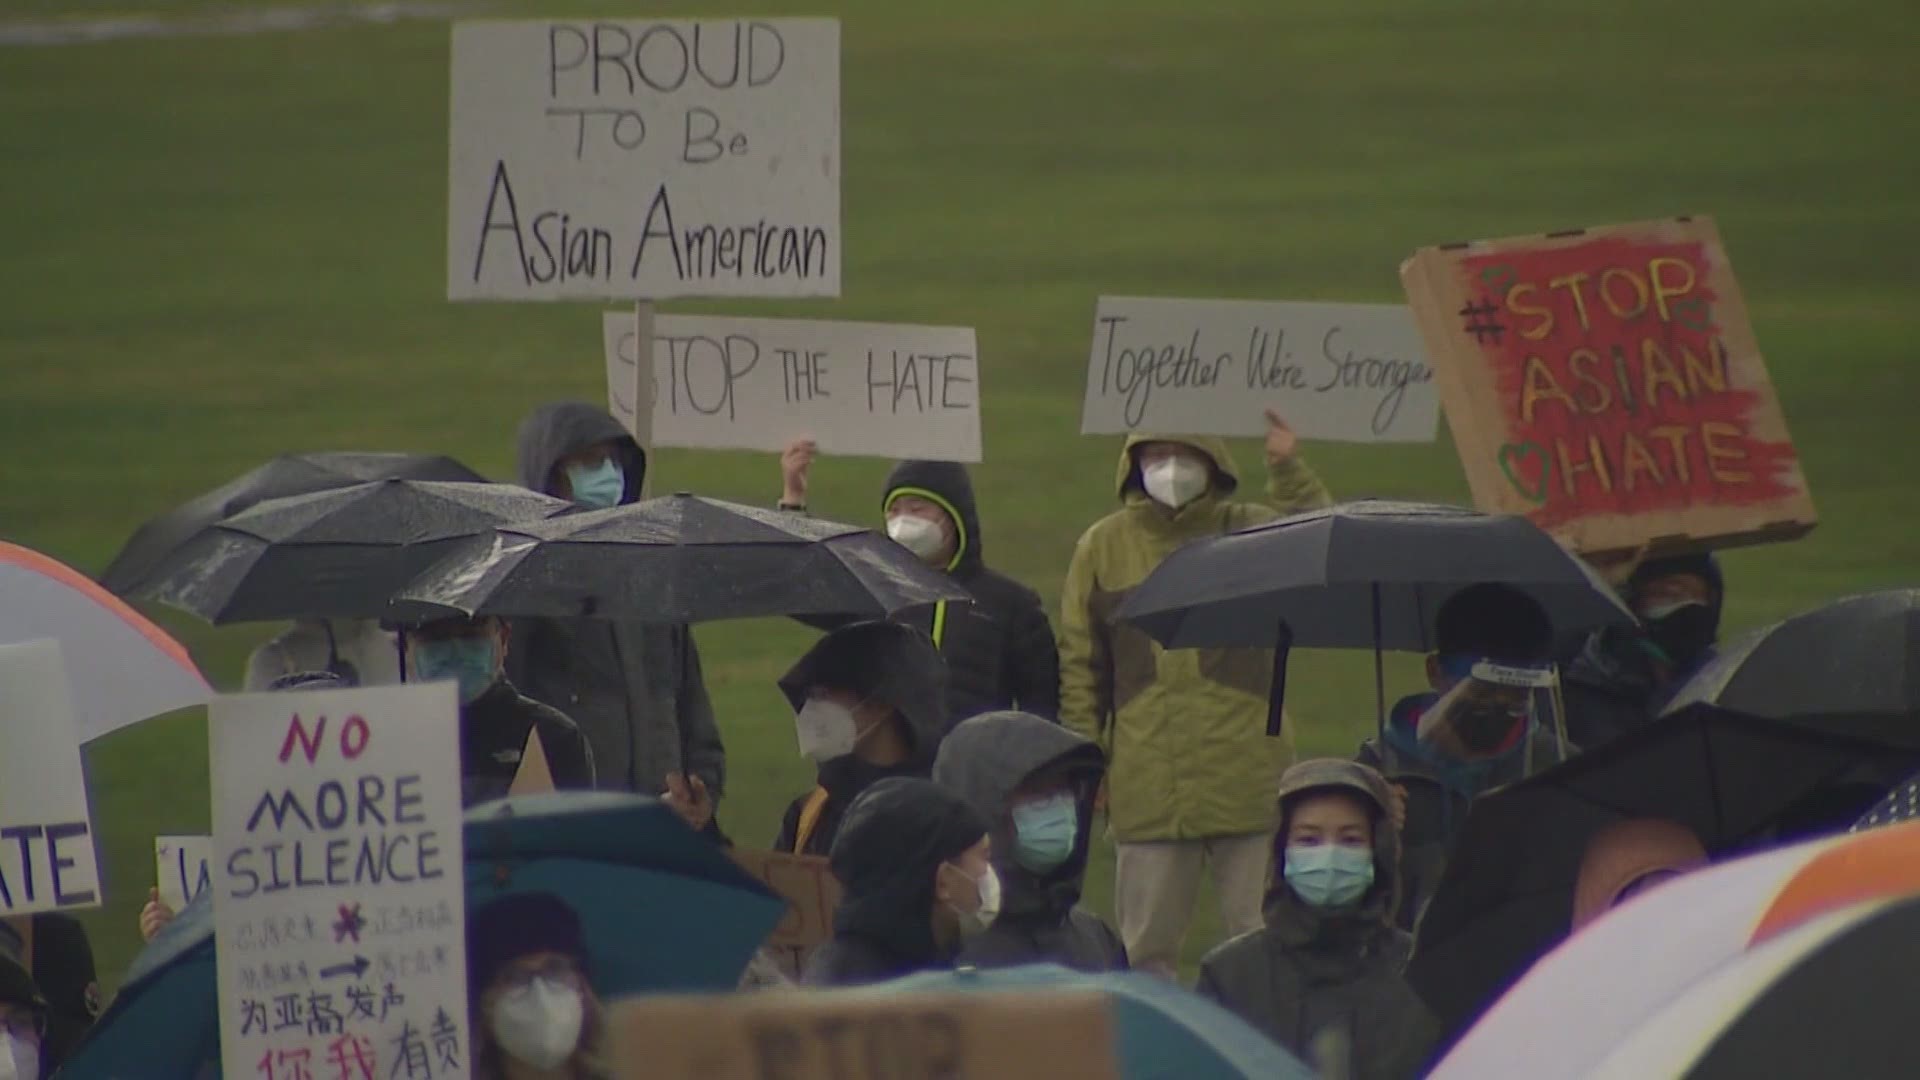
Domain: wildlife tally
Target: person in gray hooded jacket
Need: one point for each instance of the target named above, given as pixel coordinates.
(1035, 782)
(634, 688)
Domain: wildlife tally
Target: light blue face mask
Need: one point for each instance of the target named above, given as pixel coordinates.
(1329, 875)
(597, 486)
(1045, 831)
(470, 661)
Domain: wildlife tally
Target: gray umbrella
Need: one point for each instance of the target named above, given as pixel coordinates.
(679, 559)
(1857, 658)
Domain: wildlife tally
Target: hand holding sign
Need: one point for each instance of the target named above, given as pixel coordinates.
(155, 916)
(687, 796)
(796, 461)
(1281, 441)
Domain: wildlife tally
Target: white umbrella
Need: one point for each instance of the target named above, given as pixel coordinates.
(123, 668)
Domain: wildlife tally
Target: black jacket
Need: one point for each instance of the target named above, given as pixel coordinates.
(1000, 650)
(634, 688)
(1613, 684)
(1311, 969)
(894, 839)
(493, 734)
(885, 662)
(983, 760)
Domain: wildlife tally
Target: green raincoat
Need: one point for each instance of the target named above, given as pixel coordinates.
(1184, 730)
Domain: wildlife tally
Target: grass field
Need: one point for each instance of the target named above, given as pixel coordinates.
(222, 248)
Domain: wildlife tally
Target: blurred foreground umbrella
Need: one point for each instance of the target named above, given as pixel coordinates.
(288, 474)
(165, 1020)
(1506, 895)
(123, 668)
(1160, 1029)
(676, 559)
(339, 553)
(1856, 659)
(1636, 970)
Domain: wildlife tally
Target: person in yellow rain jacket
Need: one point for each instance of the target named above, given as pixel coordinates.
(1193, 771)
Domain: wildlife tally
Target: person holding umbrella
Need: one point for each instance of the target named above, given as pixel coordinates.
(1192, 769)
(535, 1016)
(1329, 960)
(634, 687)
(916, 872)
(869, 702)
(1473, 731)
(1000, 649)
(1622, 679)
(1035, 782)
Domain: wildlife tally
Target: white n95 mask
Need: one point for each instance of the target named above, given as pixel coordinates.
(826, 730)
(1174, 482)
(539, 1023)
(918, 535)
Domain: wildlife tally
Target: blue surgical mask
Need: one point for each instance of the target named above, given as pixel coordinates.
(597, 486)
(1045, 831)
(470, 661)
(1328, 875)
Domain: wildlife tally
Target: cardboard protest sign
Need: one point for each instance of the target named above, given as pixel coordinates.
(811, 892)
(865, 1035)
(47, 857)
(1345, 372)
(182, 868)
(628, 159)
(338, 894)
(757, 384)
(1606, 384)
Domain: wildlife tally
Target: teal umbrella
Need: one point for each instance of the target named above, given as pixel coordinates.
(1161, 1030)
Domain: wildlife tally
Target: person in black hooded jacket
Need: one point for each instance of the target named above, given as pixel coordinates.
(869, 703)
(916, 875)
(1000, 650)
(1621, 679)
(1034, 782)
(635, 688)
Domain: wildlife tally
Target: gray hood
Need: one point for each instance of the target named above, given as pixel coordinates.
(559, 428)
(880, 661)
(984, 759)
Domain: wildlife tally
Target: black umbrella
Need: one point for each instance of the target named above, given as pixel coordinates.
(1368, 574)
(339, 553)
(1506, 896)
(678, 559)
(1857, 657)
(288, 474)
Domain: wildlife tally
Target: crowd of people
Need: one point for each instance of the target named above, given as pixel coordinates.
(966, 755)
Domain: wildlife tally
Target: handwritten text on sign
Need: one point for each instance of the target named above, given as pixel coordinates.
(622, 159)
(183, 867)
(757, 384)
(338, 901)
(47, 858)
(1350, 372)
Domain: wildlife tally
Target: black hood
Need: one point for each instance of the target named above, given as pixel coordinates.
(559, 428)
(891, 842)
(942, 482)
(984, 759)
(881, 661)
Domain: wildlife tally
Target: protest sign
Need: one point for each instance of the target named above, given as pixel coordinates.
(338, 892)
(865, 1035)
(47, 857)
(181, 865)
(874, 389)
(1345, 372)
(621, 159)
(1606, 384)
(811, 892)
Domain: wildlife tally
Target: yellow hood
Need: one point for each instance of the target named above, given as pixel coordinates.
(1226, 475)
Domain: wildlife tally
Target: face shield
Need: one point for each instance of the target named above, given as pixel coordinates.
(1493, 708)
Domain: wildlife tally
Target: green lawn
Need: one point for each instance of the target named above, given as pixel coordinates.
(221, 248)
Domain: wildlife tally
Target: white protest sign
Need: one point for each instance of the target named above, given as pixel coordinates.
(631, 159)
(1343, 372)
(875, 389)
(181, 868)
(338, 891)
(47, 858)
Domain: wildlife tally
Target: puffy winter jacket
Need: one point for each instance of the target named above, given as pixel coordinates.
(1184, 730)
(984, 760)
(999, 650)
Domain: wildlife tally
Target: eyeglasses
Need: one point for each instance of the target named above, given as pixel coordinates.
(557, 969)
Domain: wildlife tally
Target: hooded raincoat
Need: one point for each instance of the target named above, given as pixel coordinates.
(879, 661)
(1313, 969)
(999, 650)
(895, 837)
(1184, 731)
(984, 760)
(635, 688)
